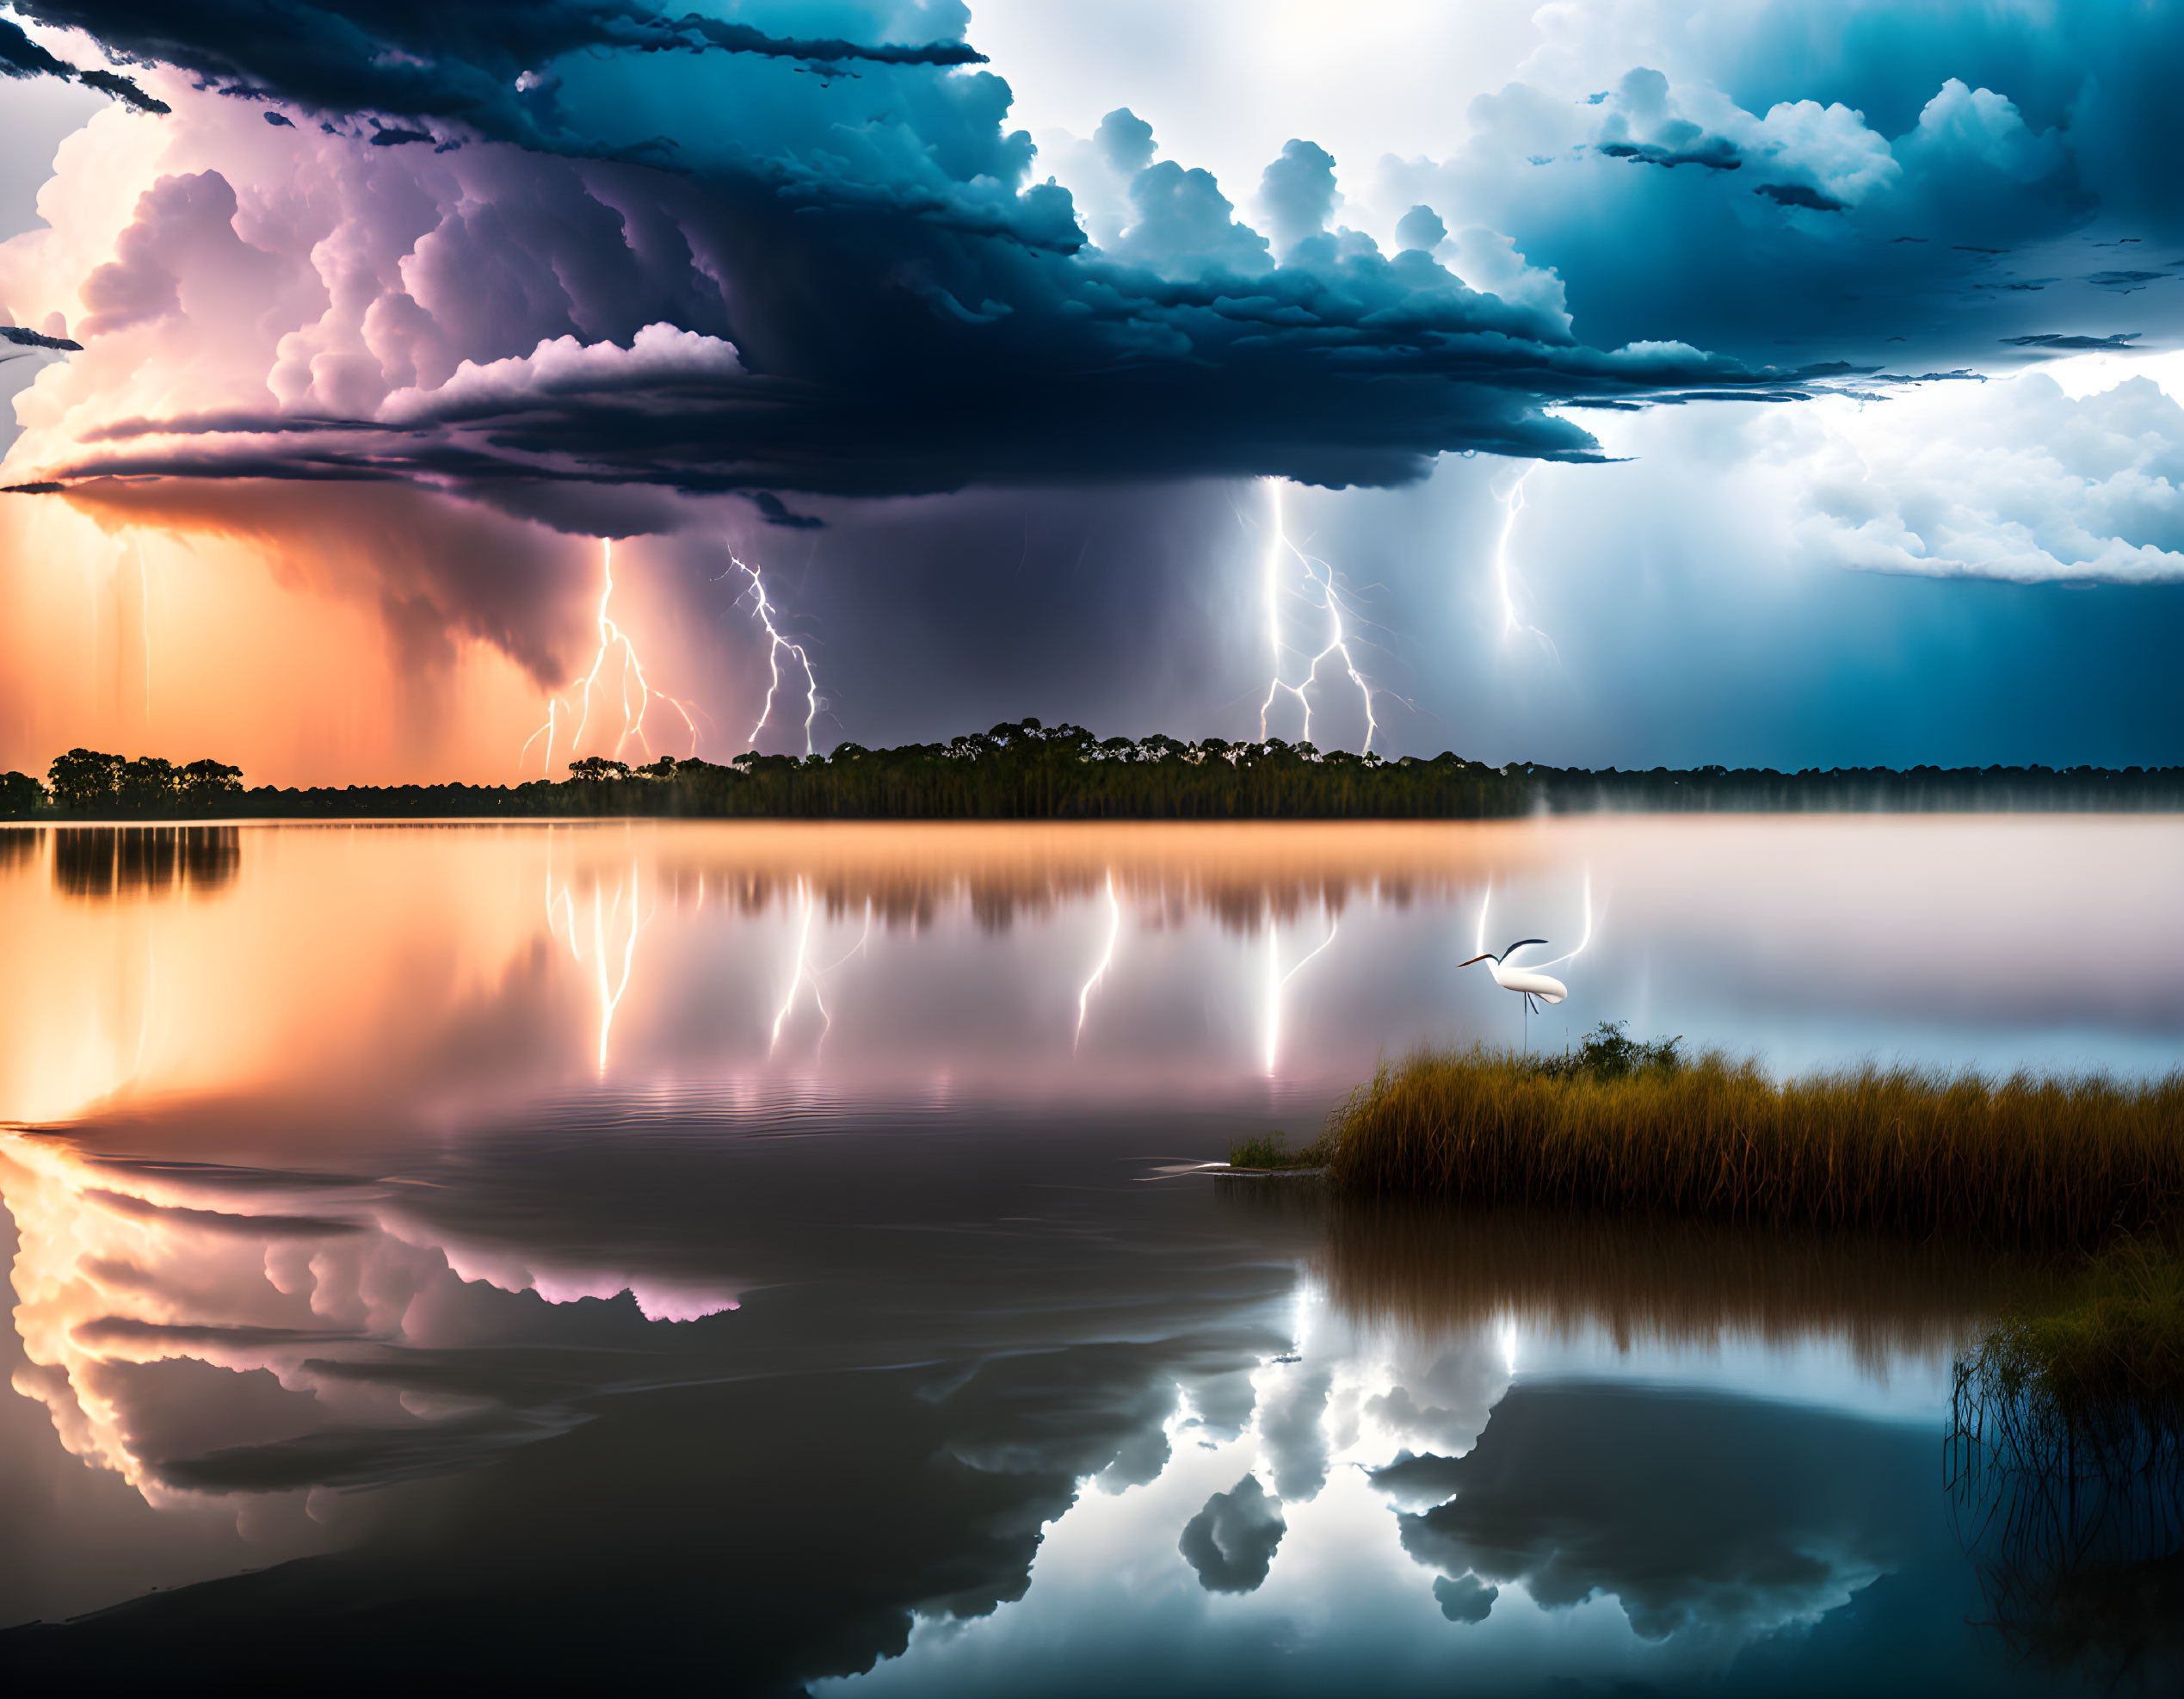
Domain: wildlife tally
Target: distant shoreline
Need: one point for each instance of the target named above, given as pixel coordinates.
(1026, 772)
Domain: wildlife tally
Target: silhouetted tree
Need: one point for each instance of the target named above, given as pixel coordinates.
(84, 779)
(208, 784)
(149, 785)
(20, 795)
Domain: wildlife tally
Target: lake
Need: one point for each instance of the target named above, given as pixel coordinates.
(782, 1256)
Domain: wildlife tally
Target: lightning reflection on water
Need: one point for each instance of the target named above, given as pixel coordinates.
(1276, 981)
(1106, 960)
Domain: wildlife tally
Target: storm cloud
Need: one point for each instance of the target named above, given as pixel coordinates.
(899, 304)
(472, 61)
(852, 284)
(613, 270)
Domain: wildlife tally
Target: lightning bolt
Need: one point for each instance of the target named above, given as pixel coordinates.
(1512, 621)
(776, 644)
(615, 642)
(1107, 959)
(1320, 578)
(1276, 980)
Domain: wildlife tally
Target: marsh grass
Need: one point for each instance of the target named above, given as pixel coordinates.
(2029, 1163)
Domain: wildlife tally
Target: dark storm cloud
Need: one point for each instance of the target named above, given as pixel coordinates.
(857, 285)
(1356, 378)
(2057, 340)
(2100, 78)
(1941, 174)
(872, 296)
(23, 338)
(1711, 151)
(1800, 194)
(463, 59)
(19, 56)
(1465, 1598)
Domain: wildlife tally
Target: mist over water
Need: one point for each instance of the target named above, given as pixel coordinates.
(627, 1251)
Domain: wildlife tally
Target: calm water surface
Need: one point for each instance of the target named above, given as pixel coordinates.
(774, 1256)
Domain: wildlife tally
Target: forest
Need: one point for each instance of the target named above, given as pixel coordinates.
(1031, 772)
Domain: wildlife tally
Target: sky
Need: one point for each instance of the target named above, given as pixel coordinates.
(423, 393)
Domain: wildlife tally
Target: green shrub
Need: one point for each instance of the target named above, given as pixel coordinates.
(1268, 1151)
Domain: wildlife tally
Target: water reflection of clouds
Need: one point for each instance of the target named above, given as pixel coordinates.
(1600, 1533)
(246, 1341)
(1128, 1440)
(1649, 1521)
(1231, 1542)
(1698, 1515)
(148, 1296)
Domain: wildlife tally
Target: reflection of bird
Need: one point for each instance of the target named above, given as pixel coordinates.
(1534, 988)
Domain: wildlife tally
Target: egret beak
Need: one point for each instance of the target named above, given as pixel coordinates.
(1475, 958)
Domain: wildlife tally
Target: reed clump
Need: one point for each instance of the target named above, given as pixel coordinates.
(2029, 1162)
(1270, 1151)
(2115, 1343)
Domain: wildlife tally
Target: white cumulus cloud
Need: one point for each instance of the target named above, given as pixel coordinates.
(2013, 479)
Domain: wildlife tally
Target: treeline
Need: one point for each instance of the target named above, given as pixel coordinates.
(84, 782)
(1028, 771)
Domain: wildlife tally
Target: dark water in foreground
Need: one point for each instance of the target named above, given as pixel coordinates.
(459, 1256)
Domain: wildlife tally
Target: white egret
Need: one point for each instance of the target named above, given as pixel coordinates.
(1534, 988)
